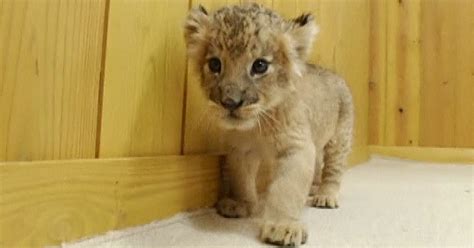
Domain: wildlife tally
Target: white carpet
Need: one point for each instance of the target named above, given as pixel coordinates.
(384, 203)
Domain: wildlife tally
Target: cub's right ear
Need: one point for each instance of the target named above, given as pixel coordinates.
(195, 31)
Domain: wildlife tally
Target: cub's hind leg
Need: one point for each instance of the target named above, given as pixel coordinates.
(336, 152)
(318, 170)
(334, 165)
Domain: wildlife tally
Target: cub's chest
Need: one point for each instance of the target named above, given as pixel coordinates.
(253, 142)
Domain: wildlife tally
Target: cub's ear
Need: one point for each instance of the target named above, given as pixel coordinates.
(195, 30)
(302, 32)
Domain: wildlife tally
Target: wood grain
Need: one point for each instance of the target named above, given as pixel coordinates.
(145, 73)
(427, 98)
(50, 54)
(403, 73)
(447, 93)
(46, 203)
(378, 71)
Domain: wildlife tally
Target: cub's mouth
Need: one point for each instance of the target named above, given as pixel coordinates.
(234, 115)
(238, 119)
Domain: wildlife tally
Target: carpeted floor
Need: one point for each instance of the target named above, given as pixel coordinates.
(384, 203)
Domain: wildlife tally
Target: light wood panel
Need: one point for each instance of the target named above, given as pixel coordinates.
(447, 93)
(378, 73)
(46, 203)
(427, 97)
(144, 78)
(50, 56)
(433, 154)
(403, 73)
(344, 34)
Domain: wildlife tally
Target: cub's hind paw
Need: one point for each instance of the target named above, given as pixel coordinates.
(284, 234)
(313, 190)
(230, 208)
(325, 201)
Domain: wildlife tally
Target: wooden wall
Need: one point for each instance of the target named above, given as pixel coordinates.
(89, 86)
(100, 79)
(88, 89)
(91, 79)
(422, 73)
(145, 73)
(50, 55)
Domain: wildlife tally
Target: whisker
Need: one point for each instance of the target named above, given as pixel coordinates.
(268, 121)
(258, 122)
(269, 116)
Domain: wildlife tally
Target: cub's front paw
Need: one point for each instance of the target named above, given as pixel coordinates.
(325, 200)
(230, 208)
(284, 233)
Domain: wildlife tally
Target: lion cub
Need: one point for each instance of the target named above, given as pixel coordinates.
(285, 121)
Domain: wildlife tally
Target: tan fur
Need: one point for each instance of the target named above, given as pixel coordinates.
(294, 128)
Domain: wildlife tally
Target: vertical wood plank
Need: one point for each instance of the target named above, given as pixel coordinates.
(403, 73)
(144, 79)
(50, 57)
(447, 93)
(378, 71)
(285, 8)
(267, 3)
(464, 132)
(212, 5)
(433, 77)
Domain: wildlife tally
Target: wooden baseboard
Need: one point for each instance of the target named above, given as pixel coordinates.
(46, 203)
(358, 155)
(49, 202)
(431, 154)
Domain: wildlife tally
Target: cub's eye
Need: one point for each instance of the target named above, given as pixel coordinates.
(214, 65)
(260, 66)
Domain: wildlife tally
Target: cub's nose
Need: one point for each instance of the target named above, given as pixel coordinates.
(231, 104)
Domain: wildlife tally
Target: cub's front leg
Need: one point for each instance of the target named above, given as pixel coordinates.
(242, 167)
(287, 196)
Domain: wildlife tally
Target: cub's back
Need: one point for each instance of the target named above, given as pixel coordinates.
(320, 91)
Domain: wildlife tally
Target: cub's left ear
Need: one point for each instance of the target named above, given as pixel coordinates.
(302, 32)
(195, 31)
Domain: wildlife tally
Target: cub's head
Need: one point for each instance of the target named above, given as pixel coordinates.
(248, 57)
